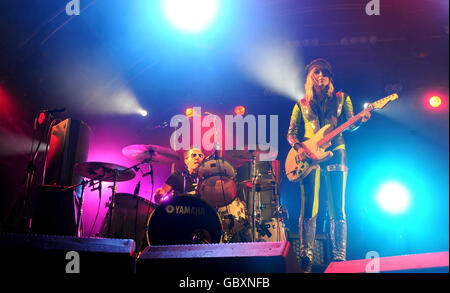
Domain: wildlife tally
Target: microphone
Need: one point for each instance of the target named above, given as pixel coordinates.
(51, 111)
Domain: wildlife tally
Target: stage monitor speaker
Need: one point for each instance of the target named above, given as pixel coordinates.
(69, 144)
(436, 262)
(252, 257)
(42, 254)
(55, 211)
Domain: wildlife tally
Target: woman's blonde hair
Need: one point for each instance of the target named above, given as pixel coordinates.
(309, 87)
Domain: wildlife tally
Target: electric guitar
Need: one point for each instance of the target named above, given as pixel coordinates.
(312, 151)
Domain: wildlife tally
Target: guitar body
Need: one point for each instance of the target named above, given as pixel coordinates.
(298, 166)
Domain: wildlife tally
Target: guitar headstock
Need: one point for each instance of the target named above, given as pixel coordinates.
(384, 101)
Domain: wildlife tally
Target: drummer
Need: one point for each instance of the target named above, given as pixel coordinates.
(182, 181)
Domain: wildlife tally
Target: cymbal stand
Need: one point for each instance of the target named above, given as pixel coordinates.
(113, 201)
(80, 209)
(277, 209)
(216, 157)
(151, 152)
(253, 196)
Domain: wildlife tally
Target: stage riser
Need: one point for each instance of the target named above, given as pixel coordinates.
(265, 257)
(49, 254)
(436, 262)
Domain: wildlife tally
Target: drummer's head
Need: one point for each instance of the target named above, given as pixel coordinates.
(193, 158)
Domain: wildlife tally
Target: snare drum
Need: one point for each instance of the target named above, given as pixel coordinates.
(183, 219)
(217, 186)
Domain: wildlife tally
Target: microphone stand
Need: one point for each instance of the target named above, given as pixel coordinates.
(30, 172)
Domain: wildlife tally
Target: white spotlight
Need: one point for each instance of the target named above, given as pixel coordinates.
(393, 197)
(143, 112)
(191, 15)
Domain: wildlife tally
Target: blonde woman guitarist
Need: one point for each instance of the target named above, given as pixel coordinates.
(320, 106)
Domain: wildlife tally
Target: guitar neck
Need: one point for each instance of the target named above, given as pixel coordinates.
(339, 129)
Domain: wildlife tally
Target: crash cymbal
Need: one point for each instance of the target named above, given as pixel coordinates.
(246, 155)
(103, 171)
(153, 153)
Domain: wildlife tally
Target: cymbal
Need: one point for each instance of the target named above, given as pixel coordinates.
(263, 184)
(103, 171)
(153, 153)
(246, 155)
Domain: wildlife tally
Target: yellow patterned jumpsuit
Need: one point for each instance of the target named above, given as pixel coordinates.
(307, 119)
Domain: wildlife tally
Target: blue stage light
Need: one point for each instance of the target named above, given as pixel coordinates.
(393, 197)
(191, 15)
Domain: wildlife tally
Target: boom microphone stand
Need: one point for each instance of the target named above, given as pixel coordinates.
(32, 168)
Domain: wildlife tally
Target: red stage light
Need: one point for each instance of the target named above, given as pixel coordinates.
(435, 101)
(239, 110)
(41, 118)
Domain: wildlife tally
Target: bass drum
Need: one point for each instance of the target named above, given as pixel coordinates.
(129, 219)
(183, 219)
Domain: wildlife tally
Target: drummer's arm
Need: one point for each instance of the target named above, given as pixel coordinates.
(160, 192)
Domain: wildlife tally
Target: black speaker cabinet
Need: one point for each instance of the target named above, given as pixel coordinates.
(49, 254)
(253, 257)
(54, 212)
(69, 144)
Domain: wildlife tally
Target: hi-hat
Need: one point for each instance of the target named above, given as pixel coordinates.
(103, 171)
(152, 153)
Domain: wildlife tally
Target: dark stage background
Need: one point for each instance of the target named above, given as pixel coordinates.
(117, 57)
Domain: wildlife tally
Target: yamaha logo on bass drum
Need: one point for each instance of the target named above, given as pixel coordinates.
(185, 210)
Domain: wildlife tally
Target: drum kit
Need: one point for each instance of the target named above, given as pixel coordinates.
(239, 204)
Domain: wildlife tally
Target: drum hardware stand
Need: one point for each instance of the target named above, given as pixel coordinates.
(113, 201)
(148, 160)
(135, 194)
(99, 188)
(80, 209)
(253, 196)
(221, 184)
